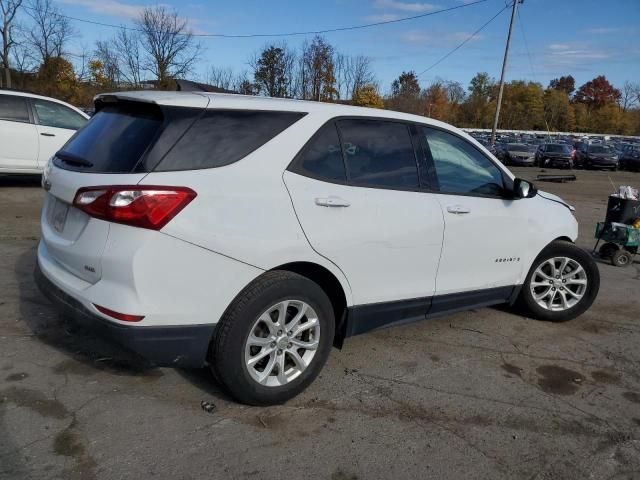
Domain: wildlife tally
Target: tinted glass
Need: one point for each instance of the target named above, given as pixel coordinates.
(558, 149)
(13, 109)
(599, 149)
(379, 153)
(517, 147)
(52, 114)
(222, 137)
(461, 168)
(115, 138)
(322, 157)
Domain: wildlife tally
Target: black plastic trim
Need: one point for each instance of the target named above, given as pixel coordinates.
(169, 346)
(374, 316)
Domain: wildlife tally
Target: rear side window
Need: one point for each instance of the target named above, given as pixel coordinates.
(114, 140)
(322, 158)
(379, 153)
(51, 114)
(222, 137)
(13, 109)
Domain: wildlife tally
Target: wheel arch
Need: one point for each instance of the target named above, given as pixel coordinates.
(331, 286)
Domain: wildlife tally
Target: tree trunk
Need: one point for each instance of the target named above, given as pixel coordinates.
(7, 77)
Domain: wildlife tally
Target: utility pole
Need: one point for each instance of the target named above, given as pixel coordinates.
(504, 69)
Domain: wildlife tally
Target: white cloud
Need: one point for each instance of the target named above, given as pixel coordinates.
(559, 46)
(107, 7)
(602, 30)
(415, 7)
(385, 17)
(437, 39)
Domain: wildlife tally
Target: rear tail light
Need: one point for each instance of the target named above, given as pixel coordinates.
(145, 206)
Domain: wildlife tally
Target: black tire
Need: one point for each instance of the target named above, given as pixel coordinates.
(621, 258)
(227, 349)
(561, 248)
(607, 250)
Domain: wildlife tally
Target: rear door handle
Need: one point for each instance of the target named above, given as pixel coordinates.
(332, 202)
(458, 209)
(45, 134)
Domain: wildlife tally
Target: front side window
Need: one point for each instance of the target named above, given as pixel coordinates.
(379, 153)
(322, 158)
(52, 114)
(13, 109)
(460, 168)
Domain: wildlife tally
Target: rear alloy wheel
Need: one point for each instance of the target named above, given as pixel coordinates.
(274, 339)
(562, 284)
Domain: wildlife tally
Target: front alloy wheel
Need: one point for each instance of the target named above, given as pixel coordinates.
(562, 283)
(559, 283)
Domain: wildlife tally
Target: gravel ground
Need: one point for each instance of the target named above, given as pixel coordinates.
(481, 394)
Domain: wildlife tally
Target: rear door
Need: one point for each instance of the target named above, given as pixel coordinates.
(360, 205)
(55, 124)
(18, 135)
(111, 150)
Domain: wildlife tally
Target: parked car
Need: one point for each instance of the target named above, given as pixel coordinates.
(32, 129)
(554, 155)
(519, 154)
(630, 157)
(252, 234)
(591, 155)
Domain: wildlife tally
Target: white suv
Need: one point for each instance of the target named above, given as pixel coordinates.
(32, 129)
(252, 234)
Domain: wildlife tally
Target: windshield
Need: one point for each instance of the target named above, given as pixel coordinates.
(599, 149)
(557, 149)
(517, 147)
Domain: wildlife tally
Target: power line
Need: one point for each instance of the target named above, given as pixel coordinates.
(470, 37)
(284, 34)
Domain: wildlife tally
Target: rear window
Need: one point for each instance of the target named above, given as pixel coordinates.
(139, 137)
(222, 137)
(557, 149)
(599, 149)
(113, 141)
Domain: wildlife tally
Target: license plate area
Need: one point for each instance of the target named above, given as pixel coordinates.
(59, 215)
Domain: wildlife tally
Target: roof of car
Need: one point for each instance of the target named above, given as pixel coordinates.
(235, 101)
(19, 93)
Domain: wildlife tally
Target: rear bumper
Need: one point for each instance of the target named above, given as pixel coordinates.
(170, 346)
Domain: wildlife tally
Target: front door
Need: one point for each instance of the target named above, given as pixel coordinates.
(360, 206)
(18, 136)
(486, 233)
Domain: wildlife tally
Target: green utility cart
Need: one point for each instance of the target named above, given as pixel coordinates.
(621, 242)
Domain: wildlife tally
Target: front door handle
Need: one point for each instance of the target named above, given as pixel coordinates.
(458, 209)
(45, 134)
(332, 202)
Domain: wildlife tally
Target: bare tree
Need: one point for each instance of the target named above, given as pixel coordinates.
(167, 42)
(106, 53)
(316, 71)
(630, 95)
(127, 47)
(50, 30)
(8, 10)
(221, 77)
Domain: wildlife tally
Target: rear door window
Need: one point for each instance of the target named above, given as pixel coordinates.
(14, 109)
(322, 157)
(379, 154)
(51, 114)
(222, 137)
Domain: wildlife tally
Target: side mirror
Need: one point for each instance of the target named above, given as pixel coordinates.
(524, 189)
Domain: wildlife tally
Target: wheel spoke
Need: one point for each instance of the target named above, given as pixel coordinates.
(260, 355)
(577, 281)
(297, 359)
(295, 320)
(259, 341)
(282, 377)
(306, 345)
(262, 376)
(282, 313)
(563, 265)
(563, 300)
(310, 323)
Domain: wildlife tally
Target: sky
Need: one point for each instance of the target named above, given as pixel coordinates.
(584, 38)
